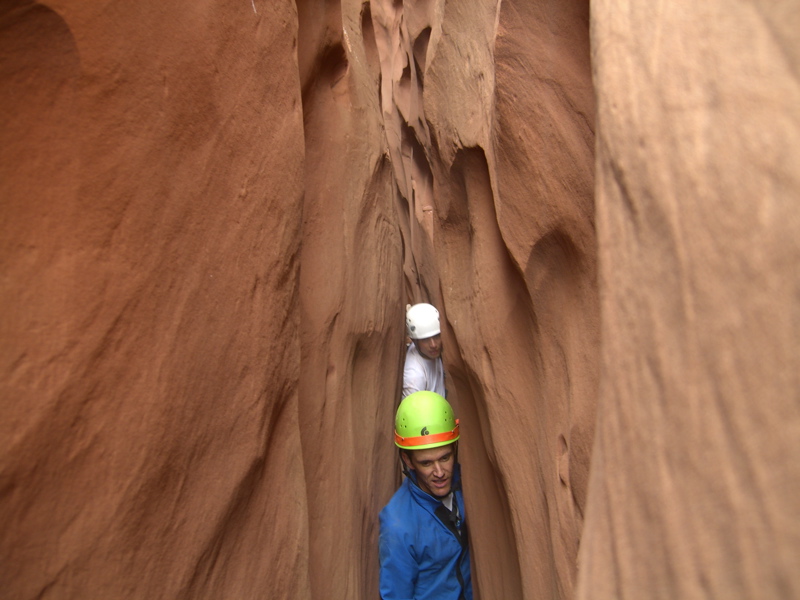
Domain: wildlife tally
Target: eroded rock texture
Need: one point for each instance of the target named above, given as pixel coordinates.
(152, 184)
(351, 321)
(214, 214)
(516, 257)
(695, 475)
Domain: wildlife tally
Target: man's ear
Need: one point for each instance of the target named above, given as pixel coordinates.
(407, 460)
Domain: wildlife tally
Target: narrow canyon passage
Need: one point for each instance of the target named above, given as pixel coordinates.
(214, 214)
(466, 136)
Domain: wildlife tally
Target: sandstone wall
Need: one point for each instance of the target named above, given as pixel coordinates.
(214, 214)
(350, 298)
(695, 475)
(152, 183)
(515, 255)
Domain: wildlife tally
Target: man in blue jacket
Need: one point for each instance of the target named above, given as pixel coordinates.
(424, 552)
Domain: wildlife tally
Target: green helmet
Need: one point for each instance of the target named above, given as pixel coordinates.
(424, 420)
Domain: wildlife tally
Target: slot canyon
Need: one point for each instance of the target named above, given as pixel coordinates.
(215, 213)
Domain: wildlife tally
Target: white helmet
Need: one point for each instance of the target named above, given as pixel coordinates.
(422, 321)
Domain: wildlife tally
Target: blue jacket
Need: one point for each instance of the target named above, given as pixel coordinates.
(418, 553)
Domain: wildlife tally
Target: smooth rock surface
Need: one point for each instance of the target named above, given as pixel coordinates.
(152, 185)
(695, 477)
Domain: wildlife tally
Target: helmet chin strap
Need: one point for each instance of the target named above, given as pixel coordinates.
(403, 465)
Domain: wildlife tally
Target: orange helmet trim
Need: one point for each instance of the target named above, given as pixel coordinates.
(422, 440)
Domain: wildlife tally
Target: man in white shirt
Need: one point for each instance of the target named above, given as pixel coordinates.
(424, 370)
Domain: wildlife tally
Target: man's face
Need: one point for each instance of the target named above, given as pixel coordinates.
(430, 347)
(434, 468)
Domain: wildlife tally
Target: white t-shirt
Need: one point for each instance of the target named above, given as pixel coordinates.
(448, 502)
(422, 373)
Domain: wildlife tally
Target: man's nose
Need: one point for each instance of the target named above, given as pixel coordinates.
(438, 471)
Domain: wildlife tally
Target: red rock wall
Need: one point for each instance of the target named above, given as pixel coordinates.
(509, 99)
(695, 477)
(351, 312)
(213, 216)
(152, 185)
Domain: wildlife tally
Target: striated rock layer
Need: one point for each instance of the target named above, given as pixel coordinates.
(213, 216)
